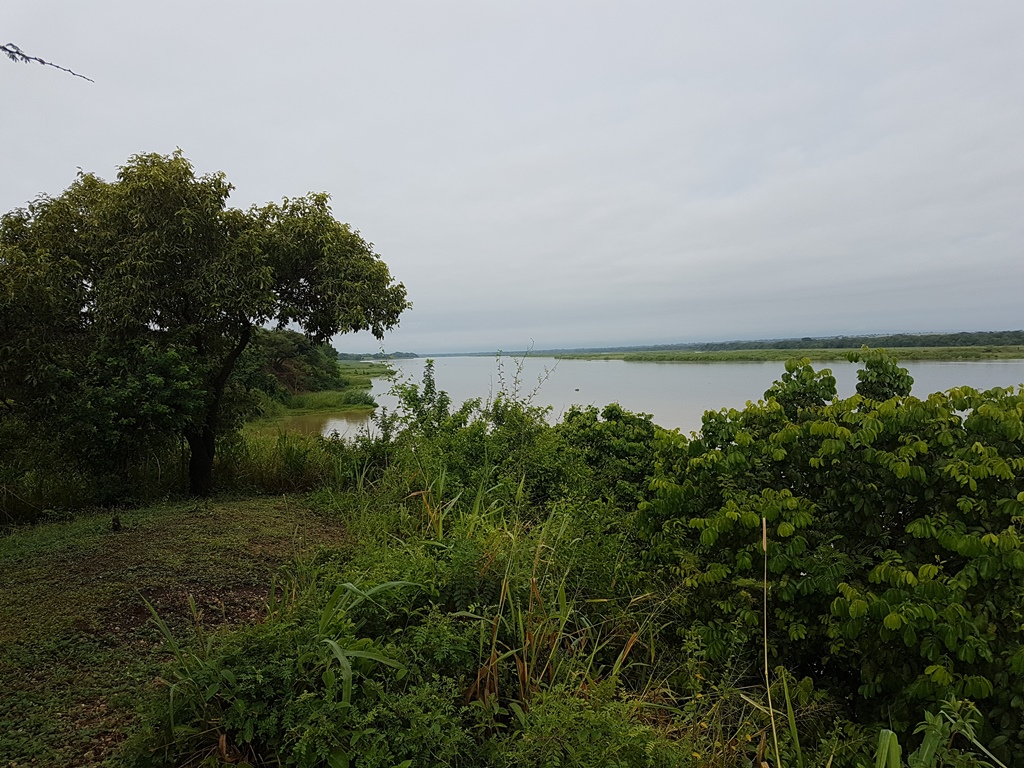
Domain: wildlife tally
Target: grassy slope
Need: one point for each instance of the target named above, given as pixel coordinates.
(749, 355)
(77, 648)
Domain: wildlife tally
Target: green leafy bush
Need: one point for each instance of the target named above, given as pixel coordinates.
(617, 447)
(895, 566)
(286, 689)
(504, 449)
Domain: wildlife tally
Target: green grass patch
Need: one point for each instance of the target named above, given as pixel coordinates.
(331, 400)
(78, 651)
(356, 368)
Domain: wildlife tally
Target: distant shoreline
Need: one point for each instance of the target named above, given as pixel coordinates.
(938, 354)
(959, 345)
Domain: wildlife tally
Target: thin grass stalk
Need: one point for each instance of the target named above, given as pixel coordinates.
(767, 679)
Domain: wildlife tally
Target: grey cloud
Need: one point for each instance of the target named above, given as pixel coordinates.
(579, 173)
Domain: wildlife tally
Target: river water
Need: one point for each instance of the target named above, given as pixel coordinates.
(675, 394)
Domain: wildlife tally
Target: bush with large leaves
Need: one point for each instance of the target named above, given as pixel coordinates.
(895, 562)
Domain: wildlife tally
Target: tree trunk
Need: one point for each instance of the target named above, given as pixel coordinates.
(201, 444)
(202, 441)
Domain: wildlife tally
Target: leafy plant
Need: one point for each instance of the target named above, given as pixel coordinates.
(896, 554)
(283, 690)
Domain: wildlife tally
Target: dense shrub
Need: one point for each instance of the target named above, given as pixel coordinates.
(504, 448)
(895, 566)
(617, 447)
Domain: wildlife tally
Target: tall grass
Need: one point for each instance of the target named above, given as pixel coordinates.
(257, 462)
(283, 463)
(329, 400)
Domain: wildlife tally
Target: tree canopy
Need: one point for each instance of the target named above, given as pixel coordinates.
(152, 283)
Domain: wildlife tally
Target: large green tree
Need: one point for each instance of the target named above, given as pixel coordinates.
(151, 287)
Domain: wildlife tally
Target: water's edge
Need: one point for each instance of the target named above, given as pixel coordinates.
(675, 394)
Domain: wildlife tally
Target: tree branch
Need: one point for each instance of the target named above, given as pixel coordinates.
(14, 53)
(221, 379)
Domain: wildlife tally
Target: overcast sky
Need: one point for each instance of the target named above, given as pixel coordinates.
(573, 174)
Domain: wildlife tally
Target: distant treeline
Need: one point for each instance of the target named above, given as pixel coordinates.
(960, 339)
(919, 340)
(378, 356)
(1015, 352)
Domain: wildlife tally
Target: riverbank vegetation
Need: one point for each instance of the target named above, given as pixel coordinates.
(378, 356)
(284, 372)
(912, 346)
(808, 581)
(818, 354)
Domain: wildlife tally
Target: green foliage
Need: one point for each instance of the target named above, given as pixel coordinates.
(895, 561)
(880, 378)
(130, 398)
(939, 746)
(801, 387)
(493, 622)
(287, 687)
(617, 447)
(155, 270)
(504, 448)
(356, 397)
(280, 362)
(514, 645)
(329, 400)
(284, 462)
(37, 479)
(562, 729)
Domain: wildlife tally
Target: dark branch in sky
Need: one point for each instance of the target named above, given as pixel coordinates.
(14, 53)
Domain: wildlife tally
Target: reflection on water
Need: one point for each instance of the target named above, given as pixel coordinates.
(344, 423)
(675, 394)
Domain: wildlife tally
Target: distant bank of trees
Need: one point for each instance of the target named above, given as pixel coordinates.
(378, 356)
(959, 339)
(800, 345)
